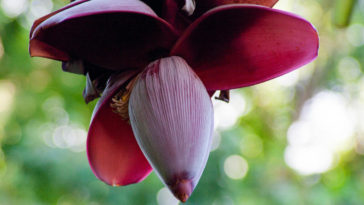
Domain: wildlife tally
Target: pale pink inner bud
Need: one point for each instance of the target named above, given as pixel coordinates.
(189, 6)
(172, 119)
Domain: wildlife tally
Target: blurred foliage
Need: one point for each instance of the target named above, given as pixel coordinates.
(343, 10)
(43, 123)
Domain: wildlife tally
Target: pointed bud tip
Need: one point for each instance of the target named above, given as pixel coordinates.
(183, 197)
(182, 189)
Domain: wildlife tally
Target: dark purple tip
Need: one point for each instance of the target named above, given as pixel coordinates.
(182, 189)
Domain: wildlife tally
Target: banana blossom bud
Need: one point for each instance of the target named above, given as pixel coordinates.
(172, 119)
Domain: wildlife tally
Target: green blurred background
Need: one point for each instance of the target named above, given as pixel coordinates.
(298, 139)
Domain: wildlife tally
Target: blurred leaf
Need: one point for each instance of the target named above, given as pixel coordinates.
(342, 12)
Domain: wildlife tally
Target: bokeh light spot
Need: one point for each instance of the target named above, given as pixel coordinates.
(251, 146)
(70, 137)
(289, 79)
(7, 92)
(355, 34)
(215, 141)
(349, 68)
(325, 128)
(13, 8)
(165, 197)
(236, 167)
(308, 160)
(226, 114)
(39, 8)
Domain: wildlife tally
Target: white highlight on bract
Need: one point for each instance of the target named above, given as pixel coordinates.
(189, 7)
(172, 119)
